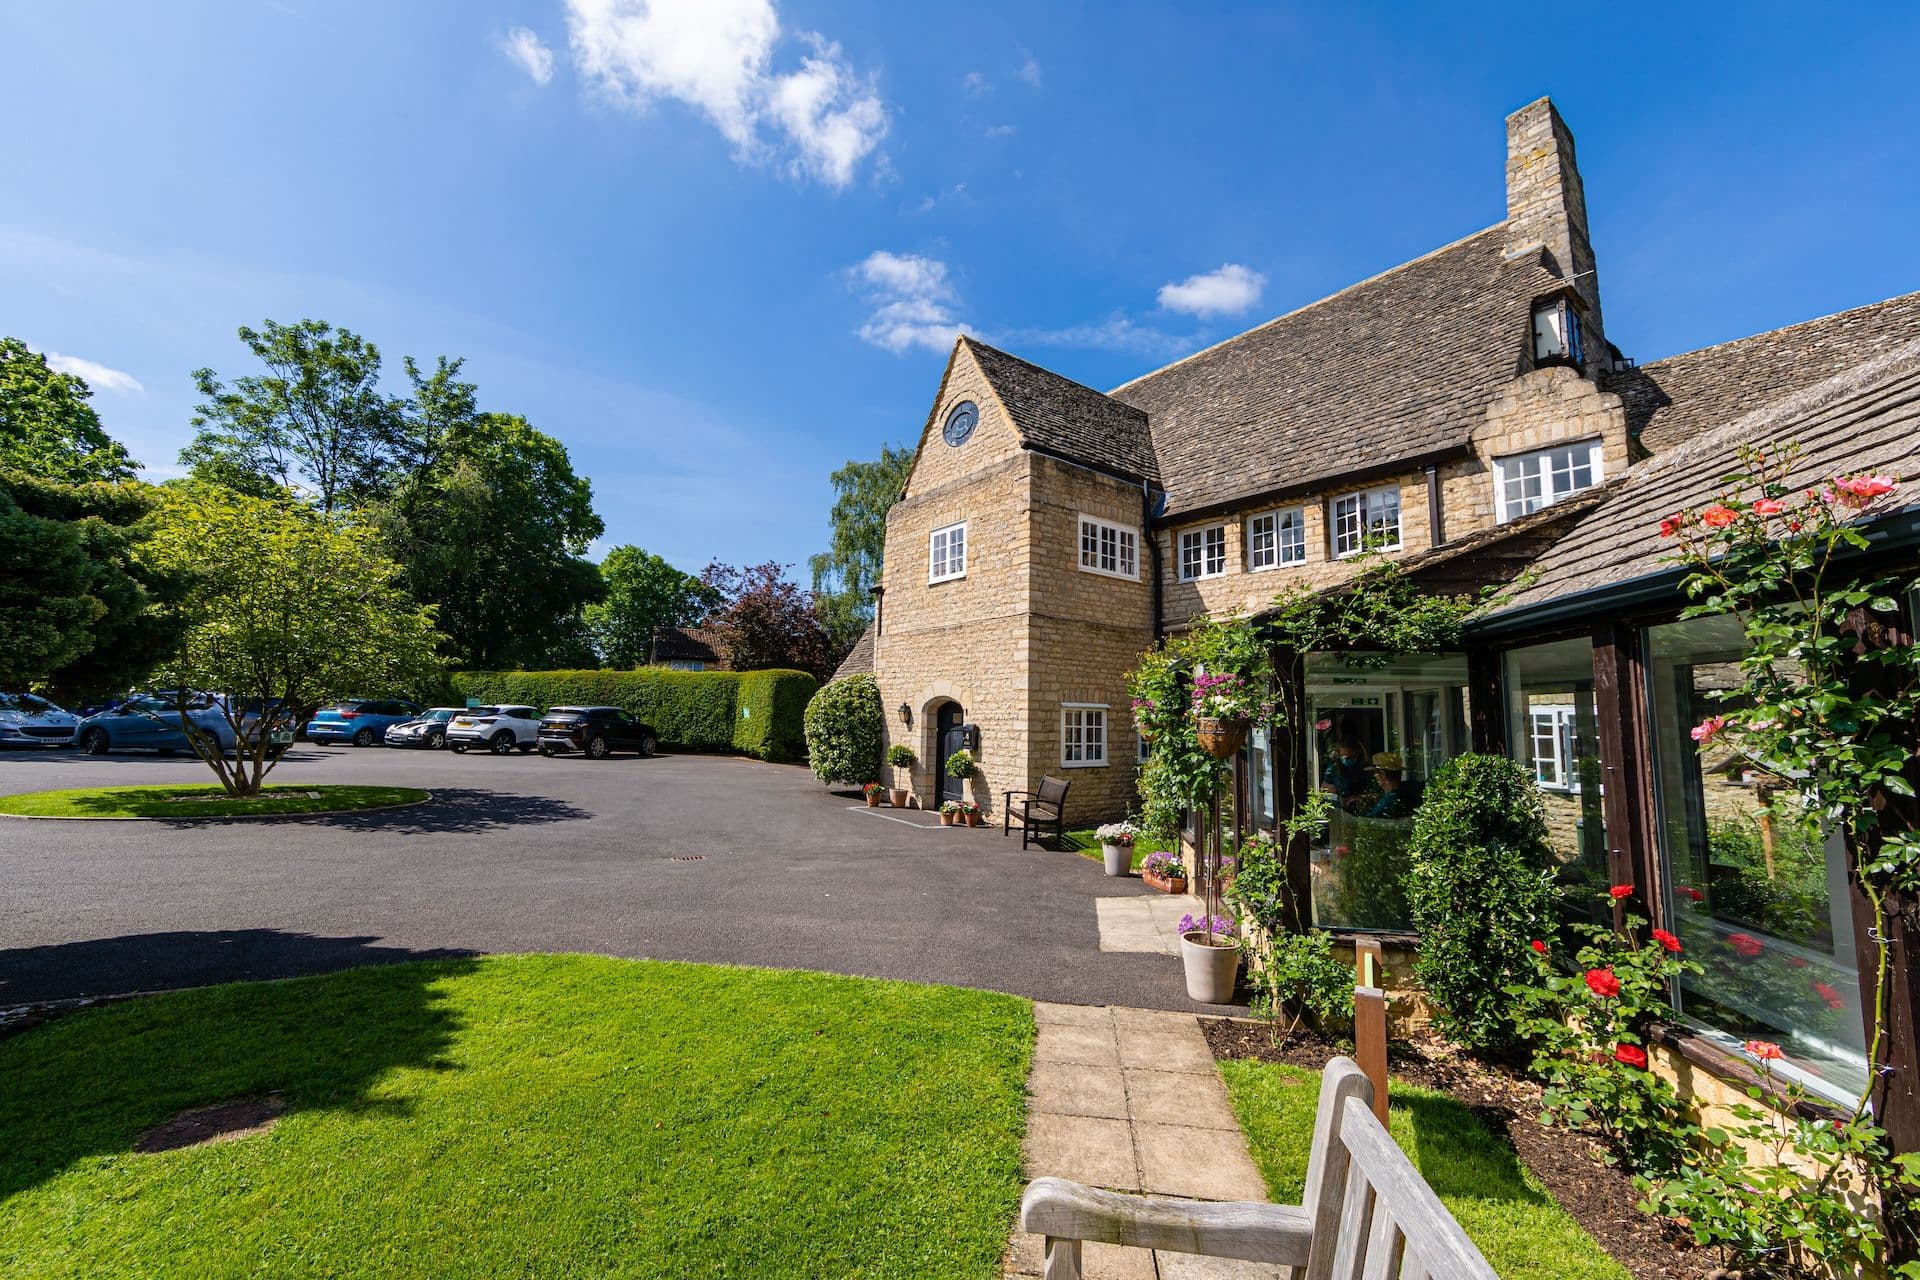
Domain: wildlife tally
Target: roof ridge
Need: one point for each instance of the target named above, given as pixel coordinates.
(1288, 315)
(1051, 373)
(1785, 328)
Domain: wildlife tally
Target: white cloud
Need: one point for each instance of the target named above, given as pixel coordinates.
(913, 302)
(1029, 71)
(97, 376)
(1116, 333)
(975, 82)
(1227, 291)
(716, 56)
(1002, 131)
(529, 54)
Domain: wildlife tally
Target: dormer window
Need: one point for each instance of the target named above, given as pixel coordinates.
(1556, 332)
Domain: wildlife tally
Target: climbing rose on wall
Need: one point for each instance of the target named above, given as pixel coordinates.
(1631, 1054)
(1603, 983)
(1667, 940)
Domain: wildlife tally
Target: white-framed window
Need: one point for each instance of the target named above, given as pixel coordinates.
(1275, 538)
(1529, 481)
(1550, 737)
(1108, 548)
(947, 553)
(1203, 552)
(1083, 735)
(1367, 521)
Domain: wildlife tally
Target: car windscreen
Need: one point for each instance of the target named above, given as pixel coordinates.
(481, 711)
(25, 702)
(440, 713)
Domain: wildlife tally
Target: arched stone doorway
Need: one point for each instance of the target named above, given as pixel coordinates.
(947, 719)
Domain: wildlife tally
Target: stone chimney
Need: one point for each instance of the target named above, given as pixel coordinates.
(1547, 207)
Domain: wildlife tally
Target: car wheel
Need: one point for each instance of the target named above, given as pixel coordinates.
(648, 744)
(94, 742)
(597, 748)
(365, 738)
(502, 742)
(435, 741)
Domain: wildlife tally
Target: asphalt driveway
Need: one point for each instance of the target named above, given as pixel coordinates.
(679, 857)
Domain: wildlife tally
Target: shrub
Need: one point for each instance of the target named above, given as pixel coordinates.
(1294, 974)
(1480, 885)
(901, 756)
(845, 730)
(771, 721)
(960, 764)
(690, 710)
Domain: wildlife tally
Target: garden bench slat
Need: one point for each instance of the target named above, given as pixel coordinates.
(1041, 812)
(1368, 1215)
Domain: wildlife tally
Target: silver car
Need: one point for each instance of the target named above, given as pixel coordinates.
(27, 720)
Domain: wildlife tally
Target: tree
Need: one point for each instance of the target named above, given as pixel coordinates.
(78, 612)
(315, 422)
(47, 428)
(285, 607)
(643, 592)
(846, 730)
(845, 573)
(492, 528)
(766, 621)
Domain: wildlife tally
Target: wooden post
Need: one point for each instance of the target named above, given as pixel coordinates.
(1487, 713)
(1370, 1019)
(1290, 776)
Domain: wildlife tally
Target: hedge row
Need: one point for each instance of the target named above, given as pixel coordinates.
(758, 713)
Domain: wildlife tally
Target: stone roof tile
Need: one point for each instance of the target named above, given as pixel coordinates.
(1059, 416)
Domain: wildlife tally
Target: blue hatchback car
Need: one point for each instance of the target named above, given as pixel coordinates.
(151, 722)
(362, 721)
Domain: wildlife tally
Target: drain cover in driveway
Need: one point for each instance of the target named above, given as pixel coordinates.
(686, 857)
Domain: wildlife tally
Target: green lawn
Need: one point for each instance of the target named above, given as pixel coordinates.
(1502, 1206)
(524, 1116)
(201, 800)
(1087, 845)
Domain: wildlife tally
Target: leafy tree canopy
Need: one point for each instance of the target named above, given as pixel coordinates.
(643, 592)
(315, 422)
(767, 621)
(47, 428)
(78, 613)
(850, 567)
(283, 603)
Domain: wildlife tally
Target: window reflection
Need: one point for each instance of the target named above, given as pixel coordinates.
(1552, 732)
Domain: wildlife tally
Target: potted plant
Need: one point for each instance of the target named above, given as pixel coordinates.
(960, 765)
(1165, 872)
(901, 756)
(970, 812)
(873, 791)
(949, 813)
(1211, 956)
(1223, 707)
(1116, 846)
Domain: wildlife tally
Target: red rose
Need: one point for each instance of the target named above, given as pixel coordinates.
(1667, 940)
(1828, 994)
(1631, 1054)
(1672, 525)
(1603, 983)
(1539, 946)
(1620, 891)
(1690, 893)
(1718, 516)
(1746, 944)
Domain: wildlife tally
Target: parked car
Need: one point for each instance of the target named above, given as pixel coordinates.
(498, 729)
(597, 732)
(361, 721)
(428, 729)
(30, 721)
(151, 722)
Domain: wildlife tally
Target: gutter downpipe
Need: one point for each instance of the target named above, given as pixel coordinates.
(1153, 542)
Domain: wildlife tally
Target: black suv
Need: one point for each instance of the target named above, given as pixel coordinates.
(597, 731)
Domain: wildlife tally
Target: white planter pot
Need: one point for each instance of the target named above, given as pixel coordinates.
(1119, 858)
(1211, 970)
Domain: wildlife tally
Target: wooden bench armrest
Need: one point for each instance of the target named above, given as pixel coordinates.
(1249, 1230)
(1011, 794)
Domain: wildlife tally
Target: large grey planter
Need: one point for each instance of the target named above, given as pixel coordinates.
(1211, 970)
(1119, 858)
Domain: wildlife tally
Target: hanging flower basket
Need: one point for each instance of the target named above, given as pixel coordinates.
(1220, 737)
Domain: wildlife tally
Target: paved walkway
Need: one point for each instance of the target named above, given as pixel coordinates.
(1130, 1100)
(1150, 923)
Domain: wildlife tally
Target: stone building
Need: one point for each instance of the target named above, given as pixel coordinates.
(1461, 410)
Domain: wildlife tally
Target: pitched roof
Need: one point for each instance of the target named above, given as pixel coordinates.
(1866, 419)
(689, 644)
(1674, 399)
(1059, 416)
(1389, 370)
(859, 659)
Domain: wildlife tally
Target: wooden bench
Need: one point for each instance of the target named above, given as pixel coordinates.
(1367, 1213)
(1042, 811)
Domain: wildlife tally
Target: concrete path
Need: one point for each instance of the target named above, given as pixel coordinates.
(1130, 1100)
(1149, 924)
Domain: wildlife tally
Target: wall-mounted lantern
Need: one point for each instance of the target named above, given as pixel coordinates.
(906, 715)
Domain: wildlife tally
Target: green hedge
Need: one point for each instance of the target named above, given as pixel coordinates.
(756, 712)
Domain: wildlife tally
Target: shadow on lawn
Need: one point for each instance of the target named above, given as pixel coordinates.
(197, 958)
(91, 1084)
(452, 811)
(1460, 1155)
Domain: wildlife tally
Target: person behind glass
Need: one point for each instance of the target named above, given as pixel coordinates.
(1389, 770)
(1345, 774)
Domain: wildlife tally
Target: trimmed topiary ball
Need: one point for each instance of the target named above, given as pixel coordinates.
(846, 729)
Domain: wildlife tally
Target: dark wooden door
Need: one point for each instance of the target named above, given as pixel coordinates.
(951, 738)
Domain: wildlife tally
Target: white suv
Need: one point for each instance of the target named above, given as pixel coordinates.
(498, 729)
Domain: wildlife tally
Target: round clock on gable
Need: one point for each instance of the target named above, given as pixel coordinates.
(960, 423)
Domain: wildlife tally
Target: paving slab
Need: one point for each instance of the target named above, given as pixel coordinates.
(1026, 1257)
(1159, 1050)
(1188, 1266)
(1077, 1089)
(1175, 1097)
(1090, 1149)
(1059, 1042)
(1071, 1015)
(1200, 1164)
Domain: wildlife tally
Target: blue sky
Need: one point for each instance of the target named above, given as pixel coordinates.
(718, 247)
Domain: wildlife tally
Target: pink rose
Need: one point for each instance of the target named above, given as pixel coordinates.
(1769, 507)
(1708, 729)
(1718, 516)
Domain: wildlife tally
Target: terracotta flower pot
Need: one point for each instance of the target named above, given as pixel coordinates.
(873, 799)
(1118, 857)
(946, 819)
(1220, 737)
(897, 797)
(1212, 963)
(1165, 884)
(973, 819)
